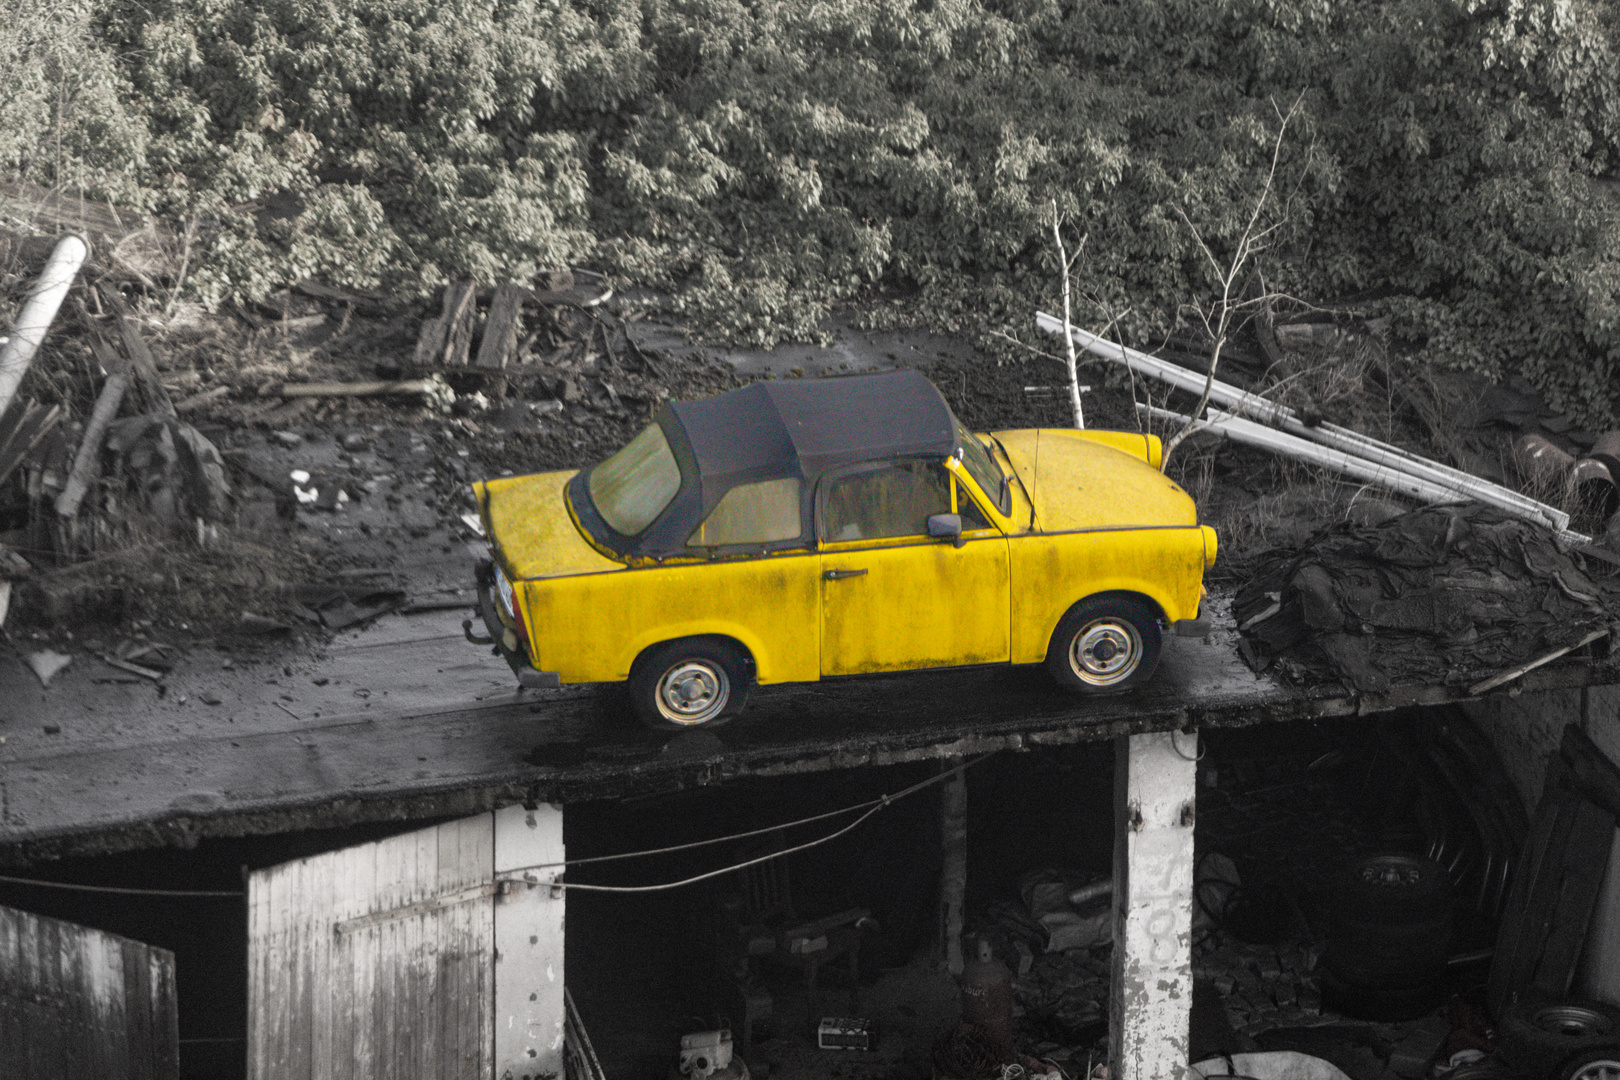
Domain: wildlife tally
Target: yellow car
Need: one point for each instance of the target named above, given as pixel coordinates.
(799, 529)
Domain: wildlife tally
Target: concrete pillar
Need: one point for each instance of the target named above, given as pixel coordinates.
(1150, 1007)
(530, 1010)
(953, 867)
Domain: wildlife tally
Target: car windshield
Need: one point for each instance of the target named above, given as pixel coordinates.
(632, 487)
(982, 467)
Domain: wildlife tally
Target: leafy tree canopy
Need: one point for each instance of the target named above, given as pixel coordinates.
(765, 159)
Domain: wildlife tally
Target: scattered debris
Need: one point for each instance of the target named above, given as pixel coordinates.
(46, 663)
(134, 669)
(1437, 595)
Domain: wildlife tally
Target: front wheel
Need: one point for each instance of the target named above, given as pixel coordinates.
(1105, 644)
(690, 683)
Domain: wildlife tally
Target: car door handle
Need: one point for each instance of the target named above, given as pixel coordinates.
(839, 575)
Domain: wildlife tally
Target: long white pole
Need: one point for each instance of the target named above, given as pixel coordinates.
(37, 312)
(1350, 442)
(1250, 433)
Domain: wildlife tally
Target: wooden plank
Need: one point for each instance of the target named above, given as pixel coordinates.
(501, 327)
(23, 428)
(1512, 966)
(1580, 880)
(78, 1003)
(460, 308)
(141, 361)
(1591, 771)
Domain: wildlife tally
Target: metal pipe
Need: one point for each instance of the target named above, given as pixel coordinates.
(38, 311)
(1250, 433)
(1256, 407)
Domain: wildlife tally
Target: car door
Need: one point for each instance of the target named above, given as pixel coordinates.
(894, 598)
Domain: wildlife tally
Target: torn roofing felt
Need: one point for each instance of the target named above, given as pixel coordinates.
(1437, 595)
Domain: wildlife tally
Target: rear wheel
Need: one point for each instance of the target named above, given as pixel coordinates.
(690, 683)
(1105, 644)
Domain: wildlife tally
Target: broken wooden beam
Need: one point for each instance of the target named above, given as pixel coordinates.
(86, 464)
(445, 341)
(430, 387)
(501, 327)
(23, 427)
(142, 365)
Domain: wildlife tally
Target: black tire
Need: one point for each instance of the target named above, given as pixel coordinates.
(1543, 1036)
(1600, 1064)
(696, 682)
(1389, 934)
(1381, 888)
(1105, 645)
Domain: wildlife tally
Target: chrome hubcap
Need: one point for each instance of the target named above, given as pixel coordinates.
(1606, 1069)
(1105, 651)
(693, 692)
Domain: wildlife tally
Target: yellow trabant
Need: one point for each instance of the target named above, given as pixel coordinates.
(800, 529)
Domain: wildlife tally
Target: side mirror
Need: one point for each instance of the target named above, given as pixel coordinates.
(946, 527)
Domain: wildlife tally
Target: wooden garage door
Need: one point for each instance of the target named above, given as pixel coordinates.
(381, 960)
(79, 1003)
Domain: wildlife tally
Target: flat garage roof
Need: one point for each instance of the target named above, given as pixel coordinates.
(139, 787)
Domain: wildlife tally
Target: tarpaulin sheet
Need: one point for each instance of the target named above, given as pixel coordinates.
(1441, 595)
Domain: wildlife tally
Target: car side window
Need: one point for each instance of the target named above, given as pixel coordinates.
(766, 512)
(972, 517)
(892, 499)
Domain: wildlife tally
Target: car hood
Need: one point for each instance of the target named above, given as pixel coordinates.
(534, 535)
(1079, 484)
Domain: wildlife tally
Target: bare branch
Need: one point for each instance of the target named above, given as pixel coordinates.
(1250, 242)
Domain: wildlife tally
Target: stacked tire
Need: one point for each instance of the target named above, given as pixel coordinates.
(1543, 1037)
(1389, 936)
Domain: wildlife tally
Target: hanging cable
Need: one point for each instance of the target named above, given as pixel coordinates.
(875, 806)
(116, 888)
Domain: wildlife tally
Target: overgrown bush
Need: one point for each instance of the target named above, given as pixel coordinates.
(766, 160)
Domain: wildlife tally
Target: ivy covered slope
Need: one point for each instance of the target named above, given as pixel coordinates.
(773, 157)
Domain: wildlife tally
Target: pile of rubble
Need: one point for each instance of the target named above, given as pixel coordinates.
(1438, 595)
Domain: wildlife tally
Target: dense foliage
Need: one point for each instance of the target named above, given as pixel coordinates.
(772, 157)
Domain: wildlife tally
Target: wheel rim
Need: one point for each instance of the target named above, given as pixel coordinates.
(1105, 651)
(1603, 1069)
(1576, 1021)
(693, 692)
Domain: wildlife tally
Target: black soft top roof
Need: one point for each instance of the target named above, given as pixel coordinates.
(808, 427)
(777, 429)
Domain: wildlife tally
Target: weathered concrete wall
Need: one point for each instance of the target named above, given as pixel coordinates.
(1526, 729)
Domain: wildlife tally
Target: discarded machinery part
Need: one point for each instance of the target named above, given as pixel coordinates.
(1541, 461)
(1594, 482)
(1540, 1034)
(1333, 436)
(1505, 677)
(86, 461)
(38, 311)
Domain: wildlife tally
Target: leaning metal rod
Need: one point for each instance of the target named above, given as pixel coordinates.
(1338, 438)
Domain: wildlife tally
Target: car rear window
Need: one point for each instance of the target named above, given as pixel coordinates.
(766, 512)
(633, 487)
